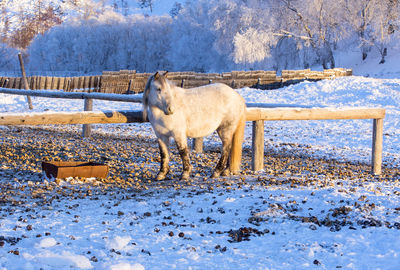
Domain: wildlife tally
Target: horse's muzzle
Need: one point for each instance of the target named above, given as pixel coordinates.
(169, 110)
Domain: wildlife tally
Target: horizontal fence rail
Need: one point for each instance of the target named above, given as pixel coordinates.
(73, 95)
(65, 118)
(252, 114)
(276, 114)
(129, 81)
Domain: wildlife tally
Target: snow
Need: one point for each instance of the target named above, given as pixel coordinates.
(118, 242)
(47, 242)
(206, 228)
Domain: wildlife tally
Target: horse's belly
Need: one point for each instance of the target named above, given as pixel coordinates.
(202, 128)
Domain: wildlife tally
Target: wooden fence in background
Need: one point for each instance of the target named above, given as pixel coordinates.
(128, 81)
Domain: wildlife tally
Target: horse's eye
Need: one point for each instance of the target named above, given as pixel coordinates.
(159, 89)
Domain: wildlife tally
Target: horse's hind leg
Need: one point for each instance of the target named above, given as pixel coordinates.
(181, 143)
(221, 167)
(226, 138)
(164, 162)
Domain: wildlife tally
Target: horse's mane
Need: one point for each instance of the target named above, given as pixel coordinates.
(145, 100)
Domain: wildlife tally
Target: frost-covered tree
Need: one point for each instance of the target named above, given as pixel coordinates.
(251, 46)
(110, 42)
(8, 59)
(82, 9)
(385, 26)
(121, 6)
(21, 21)
(359, 16)
(374, 22)
(176, 8)
(255, 38)
(210, 35)
(241, 30)
(313, 23)
(224, 19)
(146, 4)
(4, 21)
(193, 42)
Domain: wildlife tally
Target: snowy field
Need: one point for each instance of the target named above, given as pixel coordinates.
(341, 223)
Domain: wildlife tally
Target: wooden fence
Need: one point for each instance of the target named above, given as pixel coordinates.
(255, 114)
(128, 81)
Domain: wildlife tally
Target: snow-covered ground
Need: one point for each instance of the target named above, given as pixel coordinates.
(339, 224)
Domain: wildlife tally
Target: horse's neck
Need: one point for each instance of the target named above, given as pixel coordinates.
(179, 94)
(179, 91)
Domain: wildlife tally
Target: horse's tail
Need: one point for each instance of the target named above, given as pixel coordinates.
(237, 142)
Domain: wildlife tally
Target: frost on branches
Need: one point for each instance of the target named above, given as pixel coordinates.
(251, 46)
(92, 36)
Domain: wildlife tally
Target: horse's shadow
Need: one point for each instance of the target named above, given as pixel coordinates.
(281, 84)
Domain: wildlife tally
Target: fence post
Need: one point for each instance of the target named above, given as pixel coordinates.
(377, 145)
(26, 85)
(258, 83)
(130, 85)
(257, 145)
(87, 128)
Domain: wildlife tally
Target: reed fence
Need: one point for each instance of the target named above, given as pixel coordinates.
(129, 81)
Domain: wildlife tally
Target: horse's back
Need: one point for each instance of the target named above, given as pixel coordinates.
(217, 94)
(209, 106)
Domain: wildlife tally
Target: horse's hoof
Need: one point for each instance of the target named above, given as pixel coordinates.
(226, 172)
(160, 177)
(235, 173)
(215, 175)
(162, 174)
(185, 176)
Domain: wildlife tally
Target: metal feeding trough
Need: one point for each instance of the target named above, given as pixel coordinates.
(64, 169)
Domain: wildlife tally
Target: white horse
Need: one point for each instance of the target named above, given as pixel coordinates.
(194, 113)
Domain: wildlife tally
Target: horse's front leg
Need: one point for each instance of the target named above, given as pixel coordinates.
(184, 153)
(163, 143)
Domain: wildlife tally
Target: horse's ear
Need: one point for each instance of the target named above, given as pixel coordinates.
(165, 74)
(156, 75)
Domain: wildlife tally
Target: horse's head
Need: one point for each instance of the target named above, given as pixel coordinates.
(158, 93)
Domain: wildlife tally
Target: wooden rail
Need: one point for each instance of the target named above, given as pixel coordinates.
(289, 113)
(256, 115)
(73, 95)
(66, 118)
